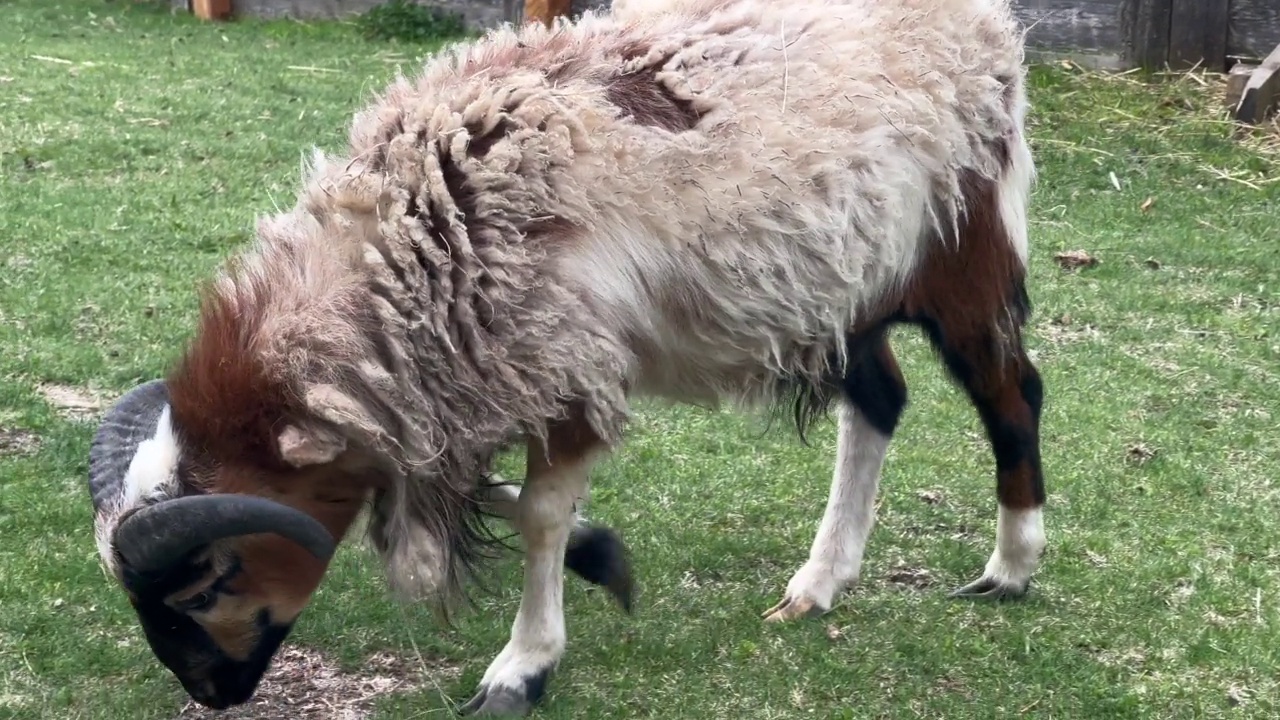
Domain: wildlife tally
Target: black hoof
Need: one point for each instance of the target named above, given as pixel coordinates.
(508, 701)
(987, 588)
(597, 554)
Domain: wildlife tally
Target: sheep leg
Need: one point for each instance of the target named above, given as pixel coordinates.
(874, 398)
(595, 553)
(1005, 388)
(544, 516)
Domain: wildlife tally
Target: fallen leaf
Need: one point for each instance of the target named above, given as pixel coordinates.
(911, 577)
(1095, 558)
(1140, 454)
(1146, 204)
(933, 497)
(1073, 259)
(1237, 695)
(833, 632)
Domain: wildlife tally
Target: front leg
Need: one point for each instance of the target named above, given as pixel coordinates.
(544, 516)
(875, 394)
(595, 553)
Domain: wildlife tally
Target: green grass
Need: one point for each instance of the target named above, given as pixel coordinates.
(136, 149)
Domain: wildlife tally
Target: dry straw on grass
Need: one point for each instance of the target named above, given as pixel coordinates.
(1197, 99)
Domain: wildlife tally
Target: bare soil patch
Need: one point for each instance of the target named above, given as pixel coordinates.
(77, 404)
(15, 441)
(303, 684)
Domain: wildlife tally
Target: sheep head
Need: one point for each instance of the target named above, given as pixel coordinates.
(217, 578)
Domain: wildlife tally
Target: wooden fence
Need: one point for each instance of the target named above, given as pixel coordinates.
(1118, 34)
(1154, 34)
(1122, 34)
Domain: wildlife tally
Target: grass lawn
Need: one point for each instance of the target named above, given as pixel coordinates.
(136, 149)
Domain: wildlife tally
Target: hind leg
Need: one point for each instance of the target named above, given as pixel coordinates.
(1005, 388)
(874, 396)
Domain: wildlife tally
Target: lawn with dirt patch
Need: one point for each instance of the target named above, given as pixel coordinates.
(136, 148)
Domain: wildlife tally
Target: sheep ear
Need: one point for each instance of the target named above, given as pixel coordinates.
(302, 447)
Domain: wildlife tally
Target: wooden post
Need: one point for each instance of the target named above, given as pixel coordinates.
(1144, 26)
(1262, 91)
(1198, 34)
(545, 11)
(211, 9)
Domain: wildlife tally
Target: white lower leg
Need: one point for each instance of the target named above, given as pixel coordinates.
(835, 558)
(1020, 540)
(544, 514)
(500, 499)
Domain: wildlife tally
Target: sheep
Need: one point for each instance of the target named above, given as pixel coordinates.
(717, 202)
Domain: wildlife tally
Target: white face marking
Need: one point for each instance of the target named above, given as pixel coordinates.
(154, 468)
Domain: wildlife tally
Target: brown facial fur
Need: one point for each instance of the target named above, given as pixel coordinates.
(223, 400)
(274, 574)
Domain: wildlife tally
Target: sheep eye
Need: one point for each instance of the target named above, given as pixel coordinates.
(199, 602)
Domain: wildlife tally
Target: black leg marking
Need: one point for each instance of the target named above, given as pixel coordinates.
(1005, 388)
(506, 701)
(598, 555)
(874, 382)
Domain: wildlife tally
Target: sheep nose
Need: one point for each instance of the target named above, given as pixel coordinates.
(206, 693)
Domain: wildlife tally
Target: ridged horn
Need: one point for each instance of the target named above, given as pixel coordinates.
(155, 537)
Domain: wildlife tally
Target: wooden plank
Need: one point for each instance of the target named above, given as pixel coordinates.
(1198, 34)
(1262, 91)
(1074, 26)
(211, 9)
(1254, 28)
(1144, 25)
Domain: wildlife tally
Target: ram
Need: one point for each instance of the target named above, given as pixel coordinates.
(712, 201)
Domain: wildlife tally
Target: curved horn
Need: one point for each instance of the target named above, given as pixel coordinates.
(125, 425)
(158, 535)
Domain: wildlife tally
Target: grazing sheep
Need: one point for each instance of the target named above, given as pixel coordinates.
(707, 200)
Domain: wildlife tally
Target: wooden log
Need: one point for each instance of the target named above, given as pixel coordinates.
(211, 9)
(1261, 91)
(1198, 34)
(1237, 78)
(545, 11)
(1144, 26)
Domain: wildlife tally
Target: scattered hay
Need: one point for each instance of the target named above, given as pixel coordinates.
(304, 685)
(1199, 96)
(72, 403)
(16, 442)
(1063, 330)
